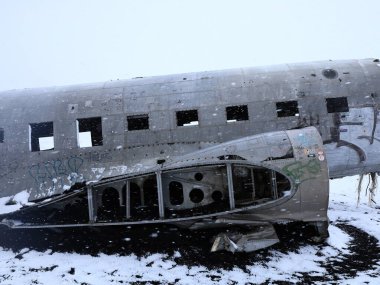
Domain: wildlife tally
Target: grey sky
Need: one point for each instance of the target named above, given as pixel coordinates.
(45, 43)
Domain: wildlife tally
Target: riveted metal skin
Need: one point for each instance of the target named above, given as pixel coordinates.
(291, 126)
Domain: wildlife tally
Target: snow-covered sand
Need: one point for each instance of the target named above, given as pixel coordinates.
(35, 267)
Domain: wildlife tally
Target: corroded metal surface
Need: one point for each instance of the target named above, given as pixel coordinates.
(351, 137)
(248, 145)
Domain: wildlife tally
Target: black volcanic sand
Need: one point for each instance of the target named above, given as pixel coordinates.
(194, 247)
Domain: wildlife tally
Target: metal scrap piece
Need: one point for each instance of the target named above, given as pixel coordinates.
(264, 236)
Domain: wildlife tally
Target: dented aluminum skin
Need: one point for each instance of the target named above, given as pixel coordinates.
(305, 123)
(291, 165)
(351, 138)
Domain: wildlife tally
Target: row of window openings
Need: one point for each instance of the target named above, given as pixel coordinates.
(237, 113)
(188, 118)
(89, 130)
(290, 108)
(89, 133)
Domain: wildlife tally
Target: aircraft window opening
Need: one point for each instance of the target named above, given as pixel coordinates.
(41, 136)
(287, 109)
(89, 132)
(337, 105)
(1, 135)
(198, 176)
(138, 122)
(176, 193)
(187, 118)
(237, 113)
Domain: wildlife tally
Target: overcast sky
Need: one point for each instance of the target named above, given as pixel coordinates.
(47, 43)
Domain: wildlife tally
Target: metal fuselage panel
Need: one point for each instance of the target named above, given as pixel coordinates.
(272, 177)
(351, 137)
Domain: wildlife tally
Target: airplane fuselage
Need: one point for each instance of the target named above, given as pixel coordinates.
(247, 147)
(126, 126)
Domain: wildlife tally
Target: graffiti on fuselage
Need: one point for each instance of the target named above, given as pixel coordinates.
(297, 170)
(52, 174)
(61, 173)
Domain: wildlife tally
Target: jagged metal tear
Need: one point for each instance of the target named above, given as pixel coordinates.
(264, 236)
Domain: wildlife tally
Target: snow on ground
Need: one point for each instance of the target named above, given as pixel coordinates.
(14, 203)
(343, 205)
(38, 267)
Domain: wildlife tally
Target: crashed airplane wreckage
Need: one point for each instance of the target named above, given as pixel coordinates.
(246, 148)
(251, 182)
